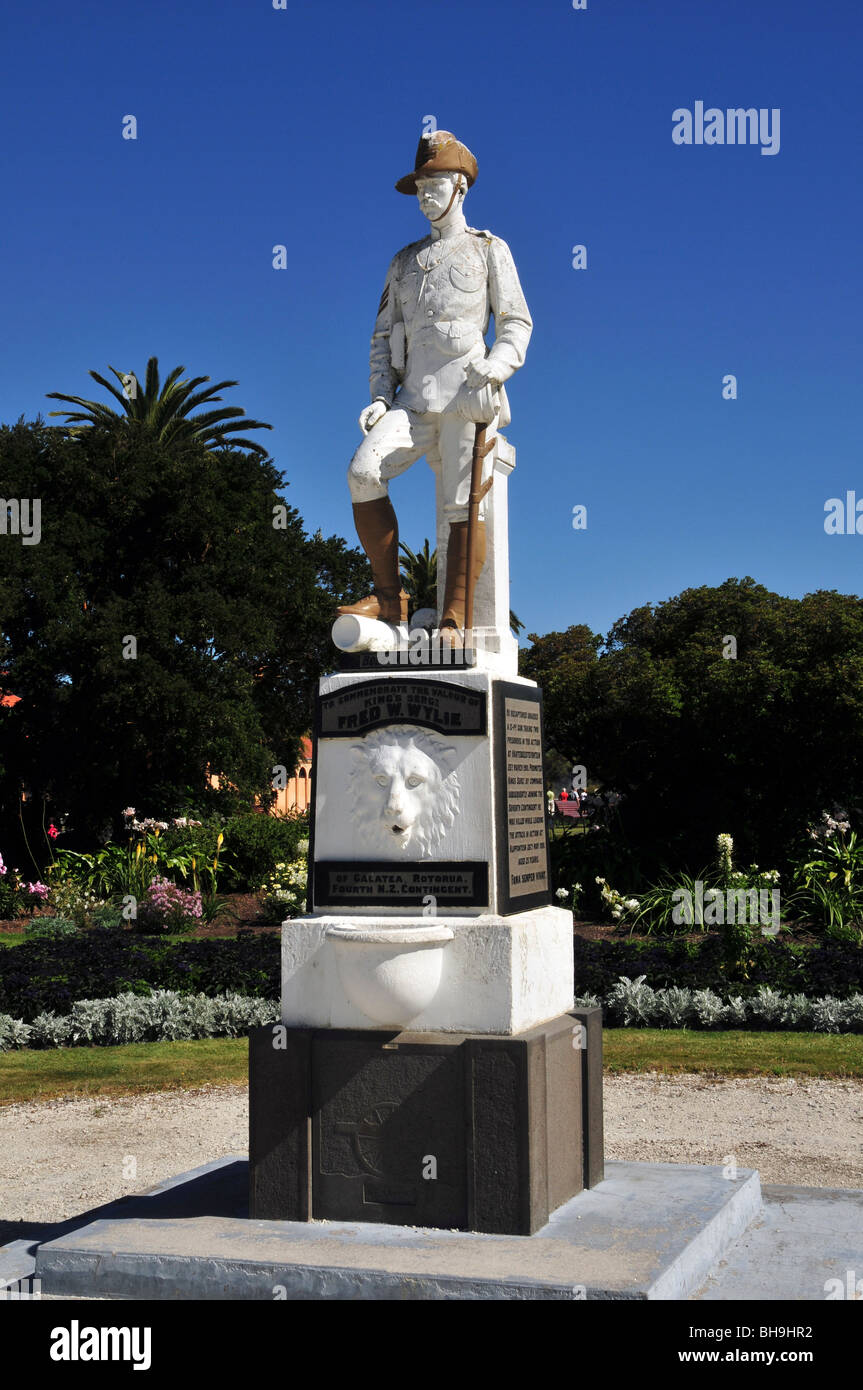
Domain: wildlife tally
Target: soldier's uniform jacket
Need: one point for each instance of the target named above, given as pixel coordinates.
(434, 313)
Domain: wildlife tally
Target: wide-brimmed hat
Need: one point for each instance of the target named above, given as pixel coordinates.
(439, 153)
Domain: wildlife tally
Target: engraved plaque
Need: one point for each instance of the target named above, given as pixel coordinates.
(439, 705)
(359, 883)
(524, 880)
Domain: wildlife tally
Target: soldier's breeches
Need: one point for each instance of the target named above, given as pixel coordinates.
(400, 438)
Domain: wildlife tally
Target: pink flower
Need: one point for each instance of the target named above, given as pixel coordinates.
(39, 889)
(53, 831)
(129, 811)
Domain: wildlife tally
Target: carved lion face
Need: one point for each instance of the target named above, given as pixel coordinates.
(404, 795)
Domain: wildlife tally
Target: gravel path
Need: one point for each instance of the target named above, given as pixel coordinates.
(58, 1158)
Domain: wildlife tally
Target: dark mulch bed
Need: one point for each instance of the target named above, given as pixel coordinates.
(243, 912)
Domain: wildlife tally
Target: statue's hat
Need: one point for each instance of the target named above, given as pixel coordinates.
(439, 153)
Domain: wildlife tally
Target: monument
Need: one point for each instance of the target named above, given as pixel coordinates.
(425, 1122)
(430, 1069)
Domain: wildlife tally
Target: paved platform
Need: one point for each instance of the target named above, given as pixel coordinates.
(803, 1238)
(649, 1231)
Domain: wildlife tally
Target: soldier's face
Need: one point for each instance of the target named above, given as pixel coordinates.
(434, 193)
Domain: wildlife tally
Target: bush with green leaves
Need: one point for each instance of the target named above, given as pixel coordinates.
(154, 849)
(258, 842)
(18, 895)
(129, 1018)
(829, 877)
(71, 898)
(283, 892)
(39, 928)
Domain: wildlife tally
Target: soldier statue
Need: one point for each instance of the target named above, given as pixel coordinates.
(433, 379)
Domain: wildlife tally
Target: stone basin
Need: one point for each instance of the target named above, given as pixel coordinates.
(391, 974)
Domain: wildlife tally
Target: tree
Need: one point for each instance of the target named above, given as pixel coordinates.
(419, 576)
(163, 413)
(172, 620)
(753, 736)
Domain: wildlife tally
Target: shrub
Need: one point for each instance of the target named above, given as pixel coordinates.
(829, 878)
(632, 1003)
(167, 908)
(161, 1016)
(258, 842)
(72, 899)
(284, 890)
(18, 895)
(50, 975)
(830, 968)
(49, 927)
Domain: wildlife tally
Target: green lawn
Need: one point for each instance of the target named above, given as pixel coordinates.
(36, 1074)
(106, 1071)
(733, 1053)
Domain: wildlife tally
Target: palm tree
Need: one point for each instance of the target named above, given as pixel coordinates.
(165, 413)
(419, 577)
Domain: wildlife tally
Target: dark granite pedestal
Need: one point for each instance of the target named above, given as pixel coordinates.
(471, 1132)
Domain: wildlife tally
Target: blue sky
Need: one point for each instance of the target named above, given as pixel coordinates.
(259, 126)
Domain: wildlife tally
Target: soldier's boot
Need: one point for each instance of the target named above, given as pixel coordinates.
(452, 619)
(378, 531)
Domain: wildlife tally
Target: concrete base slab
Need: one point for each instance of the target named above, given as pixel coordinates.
(807, 1243)
(649, 1231)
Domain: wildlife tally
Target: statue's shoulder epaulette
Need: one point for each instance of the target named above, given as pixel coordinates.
(484, 233)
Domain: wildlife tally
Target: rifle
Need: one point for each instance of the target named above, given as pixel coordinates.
(478, 490)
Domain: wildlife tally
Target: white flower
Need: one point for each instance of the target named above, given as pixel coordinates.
(632, 903)
(129, 811)
(562, 893)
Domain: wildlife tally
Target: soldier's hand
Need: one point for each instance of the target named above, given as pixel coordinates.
(479, 374)
(371, 415)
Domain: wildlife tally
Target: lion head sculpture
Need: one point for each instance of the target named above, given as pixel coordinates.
(404, 790)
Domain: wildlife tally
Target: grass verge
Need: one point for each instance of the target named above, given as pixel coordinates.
(33, 1075)
(37, 1074)
(733, 1053)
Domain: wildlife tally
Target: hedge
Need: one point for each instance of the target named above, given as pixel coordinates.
(831, 969)
(51, 975)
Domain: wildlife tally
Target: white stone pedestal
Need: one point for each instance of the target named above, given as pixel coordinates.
(496, 974)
